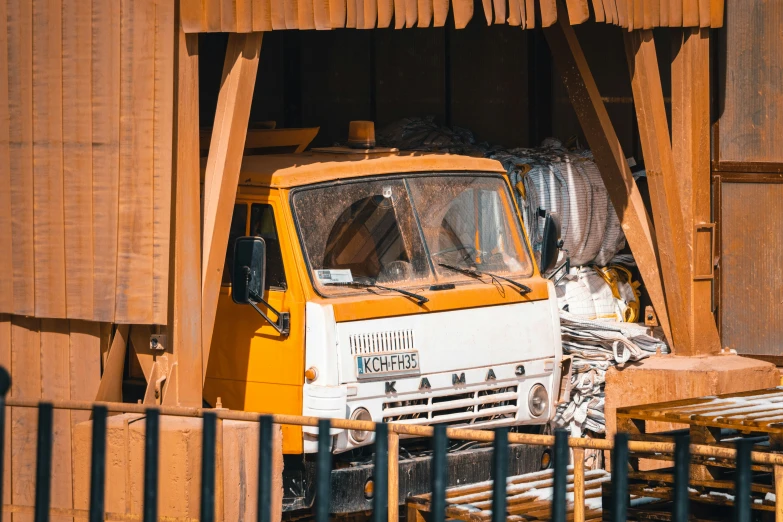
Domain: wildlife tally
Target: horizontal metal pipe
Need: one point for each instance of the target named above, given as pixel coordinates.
(405, 429)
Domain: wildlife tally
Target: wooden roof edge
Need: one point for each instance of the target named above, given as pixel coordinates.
(269, 15)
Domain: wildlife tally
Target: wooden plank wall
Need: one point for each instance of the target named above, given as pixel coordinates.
(59, 359)
(750, 94)
(86, 119)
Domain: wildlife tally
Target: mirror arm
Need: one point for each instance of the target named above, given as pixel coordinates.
(566, 265)
(283, 323)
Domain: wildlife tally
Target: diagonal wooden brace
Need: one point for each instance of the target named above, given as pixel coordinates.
(608, 154)
(222, 174)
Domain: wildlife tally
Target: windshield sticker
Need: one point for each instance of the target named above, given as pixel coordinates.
(342, 275)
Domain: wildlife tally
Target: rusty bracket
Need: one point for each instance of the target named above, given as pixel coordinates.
(158, 342)
(705, 273)
(650, 319)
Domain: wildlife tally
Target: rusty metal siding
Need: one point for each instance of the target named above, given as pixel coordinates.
(750, 77)
(752, 267)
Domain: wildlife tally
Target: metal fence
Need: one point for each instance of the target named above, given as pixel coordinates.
(385, 462)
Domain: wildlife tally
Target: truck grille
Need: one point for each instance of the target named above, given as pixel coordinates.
(375, 342)
(462, 408)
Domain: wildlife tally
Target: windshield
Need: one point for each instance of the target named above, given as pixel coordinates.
(397, 231)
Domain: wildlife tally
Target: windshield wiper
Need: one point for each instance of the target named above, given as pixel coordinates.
(420, 299)
(475, 272)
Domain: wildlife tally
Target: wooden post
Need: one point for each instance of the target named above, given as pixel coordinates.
(393, 483)
(664, 193)
(579, 484)
(222, 174)
(184, 324)
(609, 156)
(691, 154)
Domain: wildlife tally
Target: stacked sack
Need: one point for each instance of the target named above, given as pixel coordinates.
(596, 346)
(593, 292)
(569, 183)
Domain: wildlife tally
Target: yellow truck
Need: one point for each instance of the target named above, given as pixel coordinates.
(384, 286)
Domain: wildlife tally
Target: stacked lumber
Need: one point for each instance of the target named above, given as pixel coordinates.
(529, 497)
(267, 15)
(721, 421)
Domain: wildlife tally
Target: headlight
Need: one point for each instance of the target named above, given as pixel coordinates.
(537, 400)
(360, 436)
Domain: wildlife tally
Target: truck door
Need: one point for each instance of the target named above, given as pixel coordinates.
(252, 367)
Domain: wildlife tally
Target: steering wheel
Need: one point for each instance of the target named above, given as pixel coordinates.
(467, 253)
(395, 271)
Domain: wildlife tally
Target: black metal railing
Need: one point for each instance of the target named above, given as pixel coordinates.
(619, 497)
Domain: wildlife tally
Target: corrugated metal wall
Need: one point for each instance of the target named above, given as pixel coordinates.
(751, 248)
(86, 108)
(749, 79)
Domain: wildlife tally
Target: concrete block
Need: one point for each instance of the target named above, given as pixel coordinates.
(179, 467)
(669, 378)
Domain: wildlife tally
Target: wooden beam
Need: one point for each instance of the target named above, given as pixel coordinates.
(184, 321)
(664, 193)
(691, 156)
(223, 165)
(140, 339)
(110, 388)
(609, 157)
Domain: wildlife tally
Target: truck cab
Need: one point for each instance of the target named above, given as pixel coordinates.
(396, 287)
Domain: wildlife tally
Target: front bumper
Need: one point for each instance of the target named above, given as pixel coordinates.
(464, 467)
(483, 397)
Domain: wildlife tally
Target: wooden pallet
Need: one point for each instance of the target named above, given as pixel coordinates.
(758, 411)
(718, 421)
(527, 499)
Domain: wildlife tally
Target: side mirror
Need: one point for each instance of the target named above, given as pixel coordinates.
(551, 242)
(249, 270)
(247, 280)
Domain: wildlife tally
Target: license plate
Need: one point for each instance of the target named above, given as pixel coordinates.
(385, 364)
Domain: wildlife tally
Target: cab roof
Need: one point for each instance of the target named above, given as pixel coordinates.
(294, 170)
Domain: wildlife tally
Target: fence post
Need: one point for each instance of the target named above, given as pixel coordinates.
(380, 475)
(778, 493)
(220, 494)
(323, 472)
(208, 434)
(620, 478)
(682, 466)
(151, 448)
(5, 385)
(579, 485)
(264, 510)
(98, 463)
(561, 472)
(438, 471)
(394, 476)
(43, 464)
(742, 481)
(499, 474)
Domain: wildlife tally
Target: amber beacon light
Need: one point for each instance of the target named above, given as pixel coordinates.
(361, 135)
